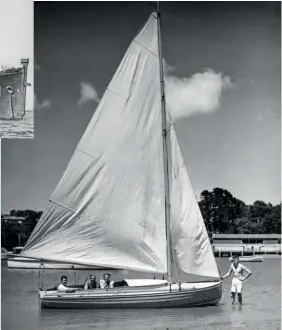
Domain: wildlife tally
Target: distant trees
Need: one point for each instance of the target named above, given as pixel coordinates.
(219, 209)
(17, 233)
(224, 213)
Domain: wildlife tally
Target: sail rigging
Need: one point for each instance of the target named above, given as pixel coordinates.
(165, 152)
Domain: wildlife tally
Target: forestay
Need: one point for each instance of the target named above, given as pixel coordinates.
(191, 246)
(108, 208)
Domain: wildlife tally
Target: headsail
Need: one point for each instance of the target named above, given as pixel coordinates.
(192, 250)
(108, 208)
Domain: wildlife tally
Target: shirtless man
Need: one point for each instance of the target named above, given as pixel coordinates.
(237, 281)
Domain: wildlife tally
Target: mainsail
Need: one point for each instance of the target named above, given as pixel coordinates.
(192, 252)
(108, 208)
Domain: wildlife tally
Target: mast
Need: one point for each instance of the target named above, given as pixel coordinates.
(165, 151)
(24, 63)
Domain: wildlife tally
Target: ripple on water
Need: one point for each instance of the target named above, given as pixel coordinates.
(11, 129)
(260, 310)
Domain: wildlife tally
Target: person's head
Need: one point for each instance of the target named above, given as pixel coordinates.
(107, 276)
(236, 260)
(92, 277)
(64, 280)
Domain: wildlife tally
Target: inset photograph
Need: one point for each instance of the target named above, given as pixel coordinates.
(16, 70)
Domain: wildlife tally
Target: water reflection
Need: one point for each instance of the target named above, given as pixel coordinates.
(260, 309)
(155, 319)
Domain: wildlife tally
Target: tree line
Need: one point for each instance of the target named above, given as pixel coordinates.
(15, 233)
(225, 214)
(222, 213)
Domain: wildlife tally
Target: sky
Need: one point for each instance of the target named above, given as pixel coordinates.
(16, 40)
(222, 63)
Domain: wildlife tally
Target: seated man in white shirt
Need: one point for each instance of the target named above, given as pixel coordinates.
(63, 285)
(106, 283)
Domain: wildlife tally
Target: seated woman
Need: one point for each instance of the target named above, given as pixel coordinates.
(91, 283)
(106, 283)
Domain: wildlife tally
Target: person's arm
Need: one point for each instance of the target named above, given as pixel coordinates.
(61, 287)
(86, 284)
(227, 274)
(249, 273)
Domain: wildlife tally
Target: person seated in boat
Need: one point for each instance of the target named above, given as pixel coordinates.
(106, 282)
(91, 283)
(63, 285)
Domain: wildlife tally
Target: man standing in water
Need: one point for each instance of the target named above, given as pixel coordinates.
(237, 281)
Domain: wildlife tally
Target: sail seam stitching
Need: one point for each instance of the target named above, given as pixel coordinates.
(142, 90)
(111, 90)
(149, 50)
(86, 153)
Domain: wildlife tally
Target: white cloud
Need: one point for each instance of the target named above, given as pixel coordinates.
(45, 104)
(87, 93)
(201, 93)
(259, 117)
(268, 113)
(41, 105)
(37, 67)
(167, 68)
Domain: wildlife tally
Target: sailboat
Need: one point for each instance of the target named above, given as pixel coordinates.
(121, 204)
(13, 83)
(253, 258)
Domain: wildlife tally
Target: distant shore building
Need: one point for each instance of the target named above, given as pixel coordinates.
(13, 91)
(246, 238)
(245, 244)
(11, 219)
(8, 240)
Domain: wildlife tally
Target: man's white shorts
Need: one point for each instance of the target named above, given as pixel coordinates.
(236, 285)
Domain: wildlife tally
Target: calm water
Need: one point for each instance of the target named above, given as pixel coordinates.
(12, 129)
(260, 310)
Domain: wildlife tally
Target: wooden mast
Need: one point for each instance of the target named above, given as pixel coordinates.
(165, 150)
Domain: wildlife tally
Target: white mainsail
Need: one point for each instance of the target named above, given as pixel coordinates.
(108, 208)
(192, 251)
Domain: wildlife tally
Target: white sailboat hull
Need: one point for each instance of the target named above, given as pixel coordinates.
(158, 296)
(29, 263)
(257, 258)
